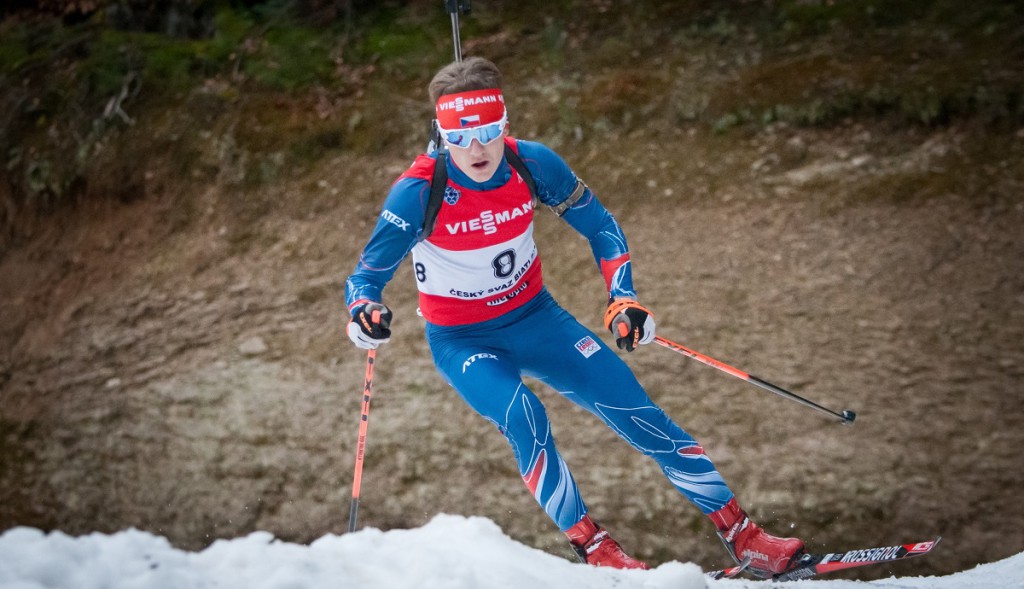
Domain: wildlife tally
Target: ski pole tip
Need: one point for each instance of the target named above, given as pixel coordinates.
(848, 416)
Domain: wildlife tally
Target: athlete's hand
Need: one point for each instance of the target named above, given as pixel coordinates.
(630, 323)
(370, 326)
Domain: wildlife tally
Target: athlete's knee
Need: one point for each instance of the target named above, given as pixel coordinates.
(646, 428)
(525, 417)
(526, 427)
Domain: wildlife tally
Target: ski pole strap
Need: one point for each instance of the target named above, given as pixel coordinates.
(619, 306)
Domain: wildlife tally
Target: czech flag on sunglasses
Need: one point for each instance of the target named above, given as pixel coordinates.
(476, 114)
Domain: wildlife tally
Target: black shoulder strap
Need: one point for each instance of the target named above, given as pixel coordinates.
(439, 181)
(516, 162)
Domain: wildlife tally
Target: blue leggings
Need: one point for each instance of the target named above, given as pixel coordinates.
(485, 363)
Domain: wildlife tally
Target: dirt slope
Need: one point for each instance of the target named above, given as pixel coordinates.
(192, 378)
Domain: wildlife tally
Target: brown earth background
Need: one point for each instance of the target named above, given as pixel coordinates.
(175, 361)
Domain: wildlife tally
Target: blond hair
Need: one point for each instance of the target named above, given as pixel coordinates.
(473, 73)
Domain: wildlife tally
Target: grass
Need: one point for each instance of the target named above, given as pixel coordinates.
(922, 62)
(282, 91)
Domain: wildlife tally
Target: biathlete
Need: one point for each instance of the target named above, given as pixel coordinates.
(490, 320)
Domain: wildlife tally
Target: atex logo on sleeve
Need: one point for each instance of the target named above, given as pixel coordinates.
(394, 219)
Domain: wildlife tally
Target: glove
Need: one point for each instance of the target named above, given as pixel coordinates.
(630, 323)
(370, 326)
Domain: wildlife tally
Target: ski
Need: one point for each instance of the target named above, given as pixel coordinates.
(731, 571)
(813, 564)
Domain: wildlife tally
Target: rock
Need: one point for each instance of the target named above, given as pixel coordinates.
(254, 346)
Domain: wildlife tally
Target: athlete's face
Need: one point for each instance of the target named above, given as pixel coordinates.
(479, 162)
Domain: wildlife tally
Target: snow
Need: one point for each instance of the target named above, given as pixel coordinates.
(450, 552)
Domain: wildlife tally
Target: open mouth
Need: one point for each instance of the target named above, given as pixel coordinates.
(481, 165)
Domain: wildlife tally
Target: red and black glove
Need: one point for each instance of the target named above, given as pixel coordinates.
(630, 323)
(370, 326)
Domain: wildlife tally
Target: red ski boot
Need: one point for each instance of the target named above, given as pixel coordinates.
(769, 555)
(594, 546)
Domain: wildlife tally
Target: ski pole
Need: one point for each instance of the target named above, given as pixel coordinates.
(846, 417)
(357, 478)
(454, 7)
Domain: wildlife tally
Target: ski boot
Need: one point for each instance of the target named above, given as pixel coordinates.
(769, 555)
(594, 546)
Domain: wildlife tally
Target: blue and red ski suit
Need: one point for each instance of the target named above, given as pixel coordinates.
(490, 321)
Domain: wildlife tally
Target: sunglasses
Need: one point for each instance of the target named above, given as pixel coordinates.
(482, 133)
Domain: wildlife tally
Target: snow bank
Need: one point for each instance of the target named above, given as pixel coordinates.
(450, 552)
